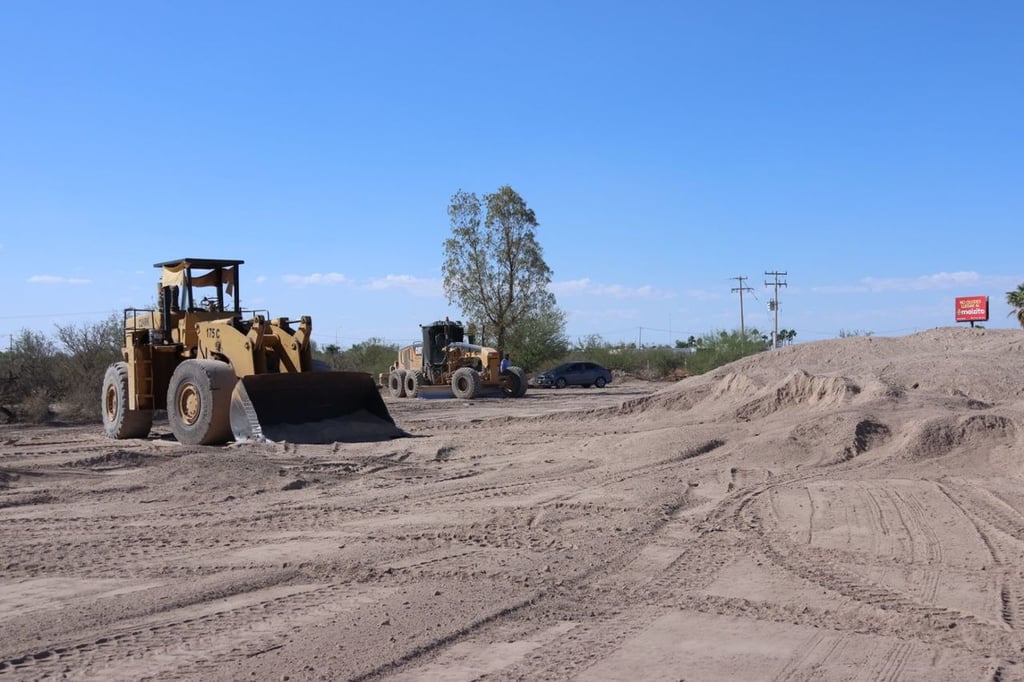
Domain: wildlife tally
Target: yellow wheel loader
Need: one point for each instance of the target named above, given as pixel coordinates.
(449, 364)
(222, 373)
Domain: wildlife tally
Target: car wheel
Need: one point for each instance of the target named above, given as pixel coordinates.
(600, 382)
(561, 383)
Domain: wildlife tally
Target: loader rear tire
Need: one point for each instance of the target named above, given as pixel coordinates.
(199, 402)
(118, 421)
(396, 383)
(413, 381)
(466, 383)
(514, 383)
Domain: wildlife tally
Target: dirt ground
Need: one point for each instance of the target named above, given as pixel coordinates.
(844, 510)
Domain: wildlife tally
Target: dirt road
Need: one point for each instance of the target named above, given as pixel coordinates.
(840, 510)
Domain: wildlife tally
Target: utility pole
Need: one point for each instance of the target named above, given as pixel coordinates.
(773, 304)
(741, 289)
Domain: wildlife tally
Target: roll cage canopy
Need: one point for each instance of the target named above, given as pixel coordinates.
(177, 281)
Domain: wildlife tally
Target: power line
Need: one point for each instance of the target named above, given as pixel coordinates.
(40, 315)
(773, 304)
(741, 289)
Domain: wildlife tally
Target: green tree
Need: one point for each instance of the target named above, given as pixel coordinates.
(494, 267)
(1015, 299)
(538, 338)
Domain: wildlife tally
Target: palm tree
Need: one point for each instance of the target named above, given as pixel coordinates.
(1016, 300)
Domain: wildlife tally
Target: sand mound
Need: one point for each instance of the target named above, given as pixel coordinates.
(836, 438)
(119, 459)
(733, 386)
(946, 435)
(800, 388)
(902, 399)
(217, 473)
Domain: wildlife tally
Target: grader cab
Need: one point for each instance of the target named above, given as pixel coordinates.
(221, 372)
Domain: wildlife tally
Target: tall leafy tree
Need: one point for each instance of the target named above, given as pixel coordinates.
(1016, 300)
(494, 267)
(537, 338)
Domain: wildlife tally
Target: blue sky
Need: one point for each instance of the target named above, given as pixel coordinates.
(871, 150)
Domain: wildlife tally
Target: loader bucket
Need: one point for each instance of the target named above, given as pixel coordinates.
(310, 407)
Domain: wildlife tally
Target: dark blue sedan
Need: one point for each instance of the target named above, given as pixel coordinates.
(577, 373)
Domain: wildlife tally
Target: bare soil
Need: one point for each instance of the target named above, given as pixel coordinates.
(847, 509)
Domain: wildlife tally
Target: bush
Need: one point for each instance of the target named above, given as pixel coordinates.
(32, 367)
(712, 350)
(35, 408)
(40, 373)
(720, 348)
(372, 356)
(90, 349)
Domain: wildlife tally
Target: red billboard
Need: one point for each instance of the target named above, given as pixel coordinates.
(972, 309)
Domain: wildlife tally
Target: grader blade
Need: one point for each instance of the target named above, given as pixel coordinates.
(310, 407)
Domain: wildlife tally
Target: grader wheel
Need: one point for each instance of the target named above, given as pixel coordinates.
(466, 383)
(396, 383)
(514, 383)
(413, 382)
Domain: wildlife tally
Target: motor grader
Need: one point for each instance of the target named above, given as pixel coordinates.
(221, 372)
(448, 363)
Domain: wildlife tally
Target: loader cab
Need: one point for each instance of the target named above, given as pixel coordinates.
(200, 285)
(196, 289)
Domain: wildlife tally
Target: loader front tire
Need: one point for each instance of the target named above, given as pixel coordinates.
(199, 402)
(466, 383)
(118, 421)
(396, 383)
(413, 381)
(514, 383)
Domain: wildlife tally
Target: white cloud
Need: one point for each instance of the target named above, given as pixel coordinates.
(937, 282)
(54, 279)
(841, 289)
(316, 279)
(605, 315)
(416, 286)
(702, 295)
(940, 281)
(261, 279)
(585, 287)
